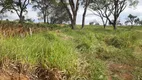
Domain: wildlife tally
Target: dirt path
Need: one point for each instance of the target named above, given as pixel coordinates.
(120, 71)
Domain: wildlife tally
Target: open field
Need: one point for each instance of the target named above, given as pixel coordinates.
(92, 53)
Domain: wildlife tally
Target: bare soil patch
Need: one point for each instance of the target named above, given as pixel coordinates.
(120, 71)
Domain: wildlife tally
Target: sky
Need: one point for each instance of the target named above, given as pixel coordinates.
(89, 18)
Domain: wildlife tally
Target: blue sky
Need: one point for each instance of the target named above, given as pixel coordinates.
(134, 11)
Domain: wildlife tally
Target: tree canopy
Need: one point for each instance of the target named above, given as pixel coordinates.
(64, 11)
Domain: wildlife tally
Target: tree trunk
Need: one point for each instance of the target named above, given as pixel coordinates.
(47, 20)
(104, 26)
(72, 11)
(21, 17)
(114, 26)
(72, 26)
(83, 20)
(44, 17)
(104, 22)
(73, 23)
(20, 21)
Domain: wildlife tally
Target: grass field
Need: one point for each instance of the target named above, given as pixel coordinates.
(92, 53)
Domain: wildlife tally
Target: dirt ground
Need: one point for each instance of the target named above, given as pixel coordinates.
(17, 71)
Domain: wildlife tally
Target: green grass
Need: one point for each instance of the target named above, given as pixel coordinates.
(84, 54)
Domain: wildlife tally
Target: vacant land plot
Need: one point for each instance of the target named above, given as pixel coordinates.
(92, 53)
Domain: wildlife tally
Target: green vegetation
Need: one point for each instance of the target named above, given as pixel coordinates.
(59, 49)
(87, 54)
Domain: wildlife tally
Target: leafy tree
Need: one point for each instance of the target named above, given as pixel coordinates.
(112, 8)
(29, 20)
(44, 7)
(18, 6)
(50, 11)
(58, 15)
(126, 22)
(131, 19)
(71, 7)
(100, 10)
(137, 21)
(91, 23)
(115, 7)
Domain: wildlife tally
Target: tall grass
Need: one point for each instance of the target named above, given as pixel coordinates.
(45, 48)
(83, 54)
(99, 46)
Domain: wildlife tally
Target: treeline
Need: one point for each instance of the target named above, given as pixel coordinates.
(133, 20)
(63, 11)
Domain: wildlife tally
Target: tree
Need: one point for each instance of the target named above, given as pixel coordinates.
(131, 19)
(71, 7)
(127, 22)
(112, 8)
(51, 11)
(91, 23)
(58, 15)
(115, 7)
(140, 22)
(19, 6)
(137, 21)
(99, 9)
(85, 5)
(44, 7)
(29, 20)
